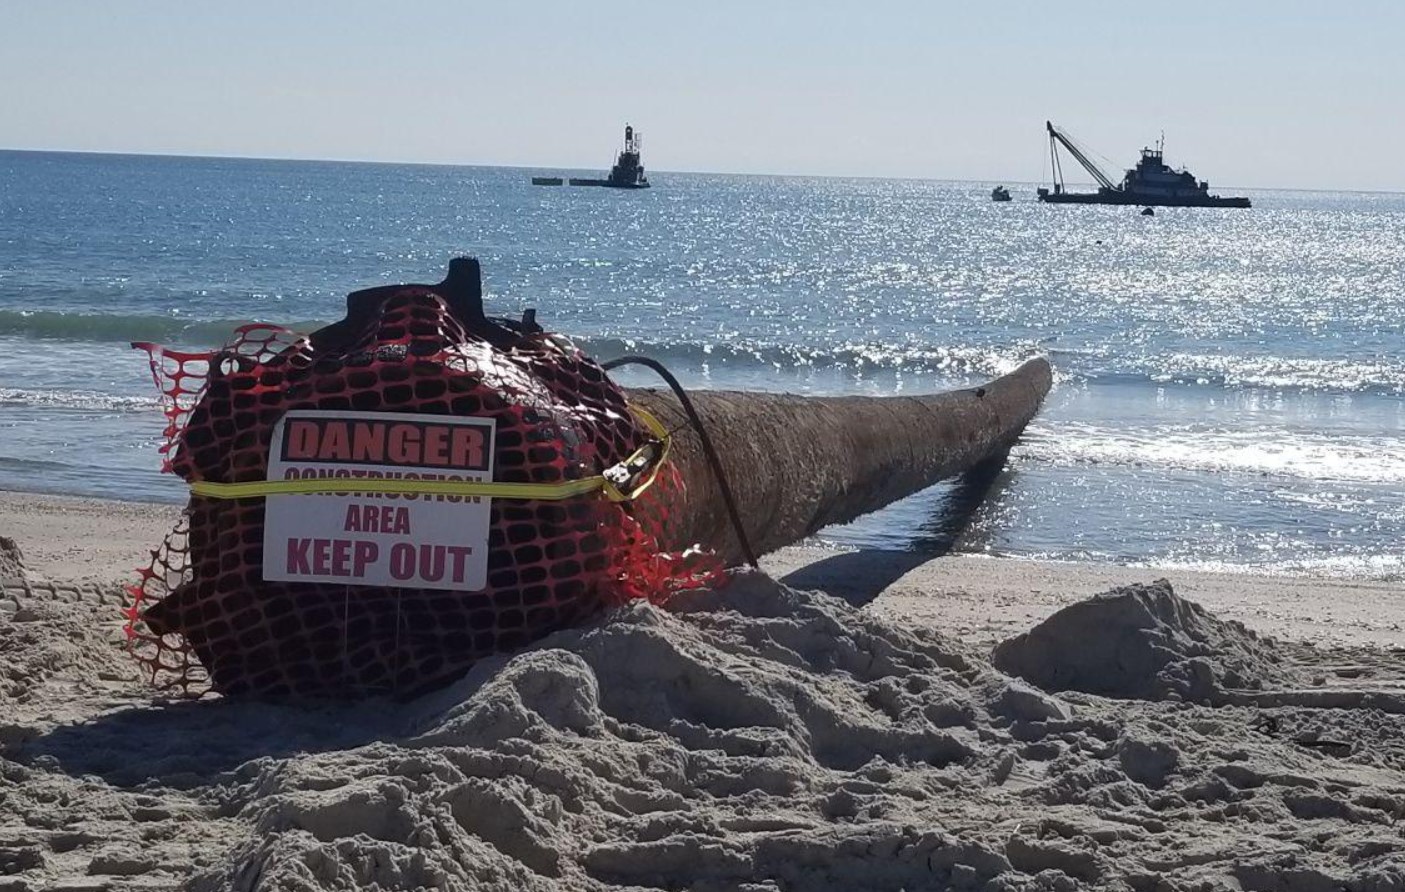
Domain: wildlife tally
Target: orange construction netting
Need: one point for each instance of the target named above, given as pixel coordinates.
(203, 617)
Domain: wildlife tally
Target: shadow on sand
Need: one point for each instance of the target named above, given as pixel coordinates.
(860, 576)
(183, 745)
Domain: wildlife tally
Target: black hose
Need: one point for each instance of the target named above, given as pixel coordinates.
(712, 458)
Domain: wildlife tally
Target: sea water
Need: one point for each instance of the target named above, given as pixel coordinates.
(1230, 384)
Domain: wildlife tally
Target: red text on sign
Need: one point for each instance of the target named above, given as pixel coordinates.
(376, 519)
(331, 557)
(415, 443)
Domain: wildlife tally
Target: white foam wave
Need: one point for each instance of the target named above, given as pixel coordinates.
(1364, 567)
(952, 359)
(1277, 372)
(1278, 453)
(90, 400)
(1373, 567)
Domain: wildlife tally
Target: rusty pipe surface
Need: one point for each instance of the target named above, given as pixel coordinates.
(798, 464)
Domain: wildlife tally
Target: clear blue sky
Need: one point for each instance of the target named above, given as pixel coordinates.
(1249, 93)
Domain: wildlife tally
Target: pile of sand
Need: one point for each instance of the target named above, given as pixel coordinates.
(11, 561)
(60, 651)
(750, 738)
(1144, 642)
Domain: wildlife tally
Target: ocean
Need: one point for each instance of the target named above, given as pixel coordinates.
(1230, 384)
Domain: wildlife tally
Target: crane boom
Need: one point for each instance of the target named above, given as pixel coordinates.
(1056, 135)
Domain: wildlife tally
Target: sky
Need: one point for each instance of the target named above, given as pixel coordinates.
(1253, 94)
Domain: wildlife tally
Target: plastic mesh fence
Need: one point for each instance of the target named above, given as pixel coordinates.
(202, 616)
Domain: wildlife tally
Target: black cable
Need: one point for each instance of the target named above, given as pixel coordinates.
(712, 458)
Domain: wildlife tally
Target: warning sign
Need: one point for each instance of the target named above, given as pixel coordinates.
(410, 540)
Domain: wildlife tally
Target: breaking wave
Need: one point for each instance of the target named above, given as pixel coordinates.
(952, 361)
(1275, 453)
(87, 400)
(101, 327)
(1366, 567)
(947, 361)
(1366, 375)
(1286, 373)
(1363, 567)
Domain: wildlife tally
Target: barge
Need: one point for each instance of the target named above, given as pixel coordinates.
(1152, 183)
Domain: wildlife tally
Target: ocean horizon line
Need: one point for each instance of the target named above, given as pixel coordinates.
(653, 171)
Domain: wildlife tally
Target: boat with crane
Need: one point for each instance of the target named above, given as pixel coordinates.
(1150, 183)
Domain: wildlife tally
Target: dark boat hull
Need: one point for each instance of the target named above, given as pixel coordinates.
(608, 184)
(1126, 198)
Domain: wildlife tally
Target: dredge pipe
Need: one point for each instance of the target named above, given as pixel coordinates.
(798, 464)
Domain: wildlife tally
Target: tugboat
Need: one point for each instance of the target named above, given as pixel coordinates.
(999, 193)
(1150, 183)
(628, 172)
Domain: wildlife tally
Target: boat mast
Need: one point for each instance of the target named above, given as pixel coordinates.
(1057, 138)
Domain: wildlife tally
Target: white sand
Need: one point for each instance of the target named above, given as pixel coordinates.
(983, 600)
(754, 738)
(980, 600)
(74, 538)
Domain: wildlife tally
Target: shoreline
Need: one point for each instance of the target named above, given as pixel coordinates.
(984, 600)
(977, 598)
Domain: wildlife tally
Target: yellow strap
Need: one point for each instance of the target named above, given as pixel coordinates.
(665, 439)
(546, 492)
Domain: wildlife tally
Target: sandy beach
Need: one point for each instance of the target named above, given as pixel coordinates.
(977, 599)
(758, 737)
(938, 461)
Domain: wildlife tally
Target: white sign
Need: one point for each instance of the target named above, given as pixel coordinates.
(401, 540)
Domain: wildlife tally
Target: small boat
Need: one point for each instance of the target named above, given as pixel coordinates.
(546, 181)
(1151, 182)
(999, 193)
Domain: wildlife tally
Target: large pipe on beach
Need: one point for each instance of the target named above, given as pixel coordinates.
(798, 464)
(294, 596)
